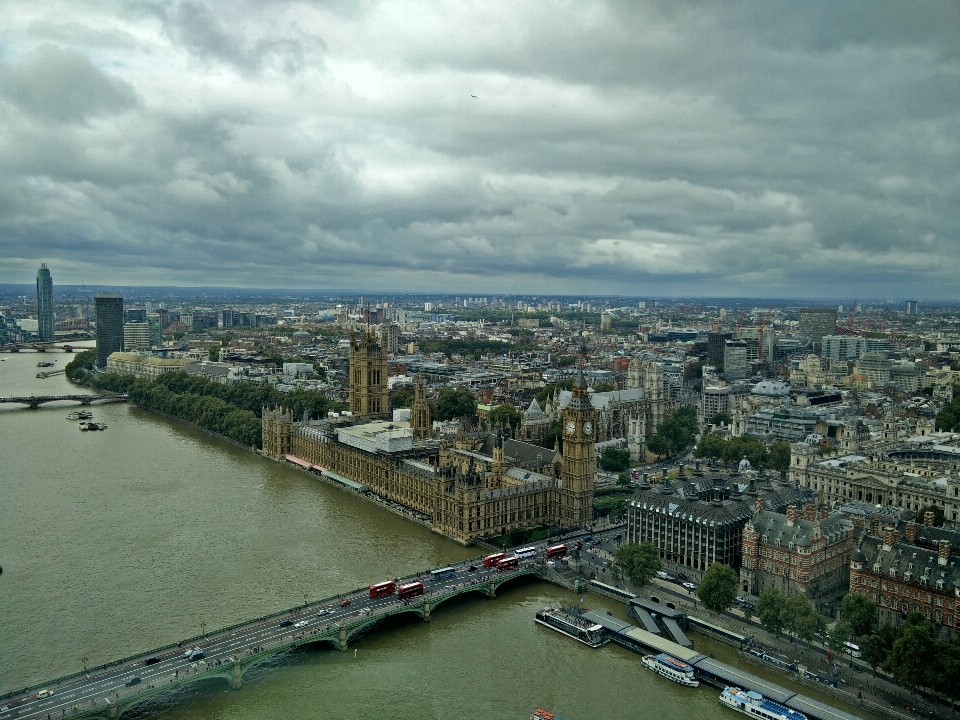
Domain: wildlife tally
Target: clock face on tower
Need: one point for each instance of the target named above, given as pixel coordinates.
(570, 427)
(588, 427)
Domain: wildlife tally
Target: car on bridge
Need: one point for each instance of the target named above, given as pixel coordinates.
(151, 661)
(133, 681)
(197, 654)
(286, 623)
(323, 611)
(344, 602)
(302, 623)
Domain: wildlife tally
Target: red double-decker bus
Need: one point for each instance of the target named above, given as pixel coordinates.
(384, 588)
(557, 551)
(508, 563)
(492, 560)
(410, 590)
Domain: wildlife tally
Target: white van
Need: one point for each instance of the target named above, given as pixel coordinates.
(852, 649)
(526, 552)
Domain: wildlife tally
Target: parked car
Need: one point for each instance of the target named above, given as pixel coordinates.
(690, 586)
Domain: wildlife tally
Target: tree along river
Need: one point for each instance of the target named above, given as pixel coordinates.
(116, 542)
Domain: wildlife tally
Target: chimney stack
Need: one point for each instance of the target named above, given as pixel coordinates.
(943, 552)
(758, 507)
(811, 511)
(887, 537)
(823, 512)
(912, 532)
(792, 515)
(928, 518)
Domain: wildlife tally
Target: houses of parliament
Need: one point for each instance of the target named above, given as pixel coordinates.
(481, 484)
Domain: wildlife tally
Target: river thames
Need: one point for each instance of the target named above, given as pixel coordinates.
(116, 542)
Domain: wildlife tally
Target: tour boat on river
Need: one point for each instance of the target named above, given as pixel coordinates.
(756, 705)
(569, 622)
(79, 415)
(671, 668)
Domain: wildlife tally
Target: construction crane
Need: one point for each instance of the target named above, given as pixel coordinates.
(761, 329)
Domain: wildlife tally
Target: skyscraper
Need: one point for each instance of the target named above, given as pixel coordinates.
(109, 311)
(44, 304)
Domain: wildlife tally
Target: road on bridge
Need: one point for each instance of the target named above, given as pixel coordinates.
(85, 694)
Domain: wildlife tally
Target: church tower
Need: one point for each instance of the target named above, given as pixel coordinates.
(420, 411)
(579, 471)
(368, 377)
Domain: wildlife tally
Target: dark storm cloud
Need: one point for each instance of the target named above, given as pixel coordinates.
(63, 86)
(738, 149)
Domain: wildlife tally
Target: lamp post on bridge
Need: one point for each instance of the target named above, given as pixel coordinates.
(84, 661)
(203, 629)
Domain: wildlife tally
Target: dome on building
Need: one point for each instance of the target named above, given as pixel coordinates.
(744, 465)
(771, 388)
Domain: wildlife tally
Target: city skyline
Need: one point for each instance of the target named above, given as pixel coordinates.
(641, 150)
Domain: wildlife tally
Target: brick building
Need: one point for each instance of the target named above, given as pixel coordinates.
(910, 568)
(798, 553)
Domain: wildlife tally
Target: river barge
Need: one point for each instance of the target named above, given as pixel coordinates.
(568, 621)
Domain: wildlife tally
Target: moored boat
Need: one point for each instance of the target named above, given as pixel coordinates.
(752, 703)
(569, 622)
(671, 668)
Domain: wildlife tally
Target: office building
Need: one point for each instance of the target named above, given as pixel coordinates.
(715, 345)
(109, 313)
(136, 315)
(736, 359)
(155, 321)
(817, 322)
(136, 336)
(44, 304)
(843, 347)
(912, 307)
(699, 520)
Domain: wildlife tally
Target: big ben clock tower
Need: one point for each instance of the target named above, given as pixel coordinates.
(579, 472)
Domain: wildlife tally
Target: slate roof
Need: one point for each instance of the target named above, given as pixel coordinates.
(919, 562)
(520, 452)
(802, 533)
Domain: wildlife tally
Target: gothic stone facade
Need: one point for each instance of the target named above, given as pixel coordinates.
(467, 495)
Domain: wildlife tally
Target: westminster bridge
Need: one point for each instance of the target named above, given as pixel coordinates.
(109, 690)
(35, 401)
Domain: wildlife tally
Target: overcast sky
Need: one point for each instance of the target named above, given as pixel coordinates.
(552, 147)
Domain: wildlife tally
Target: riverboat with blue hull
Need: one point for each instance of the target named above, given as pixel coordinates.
(569, 622)
(756, 705)
(671, 668)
